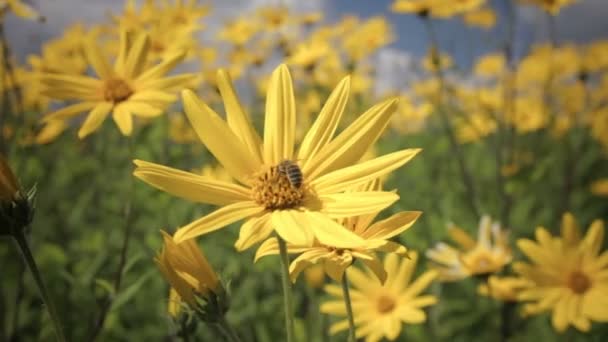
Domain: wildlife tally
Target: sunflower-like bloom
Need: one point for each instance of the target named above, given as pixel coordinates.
(336, 260)
(568, 275)
(488, 255)
(295, 193)
(189, 273)
(380, 310)
(124, 89)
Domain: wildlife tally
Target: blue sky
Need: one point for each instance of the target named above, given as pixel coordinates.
(584, 21)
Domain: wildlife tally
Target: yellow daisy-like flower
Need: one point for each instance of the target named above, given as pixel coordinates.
(380, 310)
(505, 289)
(481, 17)
(568, 275)
(600, 187)
(124, 89)
(435, 8)
(488, 255)
(296, 193)
(336, 260)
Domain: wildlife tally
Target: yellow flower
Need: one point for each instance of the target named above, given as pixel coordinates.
(269, 194)
(367, 38)
(488, 255)
(551, 6)
(51, 130)
(491, 65)
(505, 289)
(475, 126)
(307, 54)
(567, 275)
(380, 310)
(411, 118)
(336, 260)
(20, 9)
(434, 60)
(239, 32)
(600, 187)
(187, 270)
(483, 17)
(125, 89)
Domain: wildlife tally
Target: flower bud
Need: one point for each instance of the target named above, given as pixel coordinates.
(16, 205)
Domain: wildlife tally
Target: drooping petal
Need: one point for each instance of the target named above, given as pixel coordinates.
(293, 226)
(219, 139)
(190, 186)
(377, 267)
(280, 120)
(217, 220)
(348, 177)
(268, 247)
(461, 237)
(310, 257)
(123, 119)
(238, 120)
(350, 145)
(392, 226)
(95, 119)
(253, 231)
(324, 127)
(352, 203)
(335, 269)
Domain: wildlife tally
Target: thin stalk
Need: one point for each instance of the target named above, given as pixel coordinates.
(44, 293)
(467, 179)
(227, 330)
(107, 305)
(349, 309)
(285, 282)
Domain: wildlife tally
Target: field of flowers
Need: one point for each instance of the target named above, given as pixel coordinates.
(161, 182)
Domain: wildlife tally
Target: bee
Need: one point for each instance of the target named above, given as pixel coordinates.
(292, 171)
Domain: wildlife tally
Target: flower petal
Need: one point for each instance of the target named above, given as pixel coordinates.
(324, 127)
(69, 111)
(392, 226)
(219, 139)
(330, 233)
(253, 231)
(351, 203)
(377, 267)
(190, 186)
(136, 57)
(123, 119)
(346, 178)
(238, 120)
(420, 283)
(293, 226)
(310, 257)
(280, 120)
(141, 109)
(350, 145)
(217, 220)
(97, 59)
(95, 118)
(162, 68)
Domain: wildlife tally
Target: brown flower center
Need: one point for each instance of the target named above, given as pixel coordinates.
(116, 90)
(578, 282)
(274, 190)
(385, 304)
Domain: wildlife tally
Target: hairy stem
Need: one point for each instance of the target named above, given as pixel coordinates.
(289, 324)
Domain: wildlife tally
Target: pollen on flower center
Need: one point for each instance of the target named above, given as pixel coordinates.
(273, 190)
(116, 90)
(578, 282)
(385, 304)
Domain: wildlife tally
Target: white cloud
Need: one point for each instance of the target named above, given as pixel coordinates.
(394, 70)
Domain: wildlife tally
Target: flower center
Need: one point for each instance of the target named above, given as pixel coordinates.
(578, 282)
(480, 262)
(277, 188)
(116, 90)
(385, 304)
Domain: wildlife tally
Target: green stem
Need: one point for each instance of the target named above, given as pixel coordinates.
(286, 290)
(46, 298)
(227, 330)
(349, 309)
